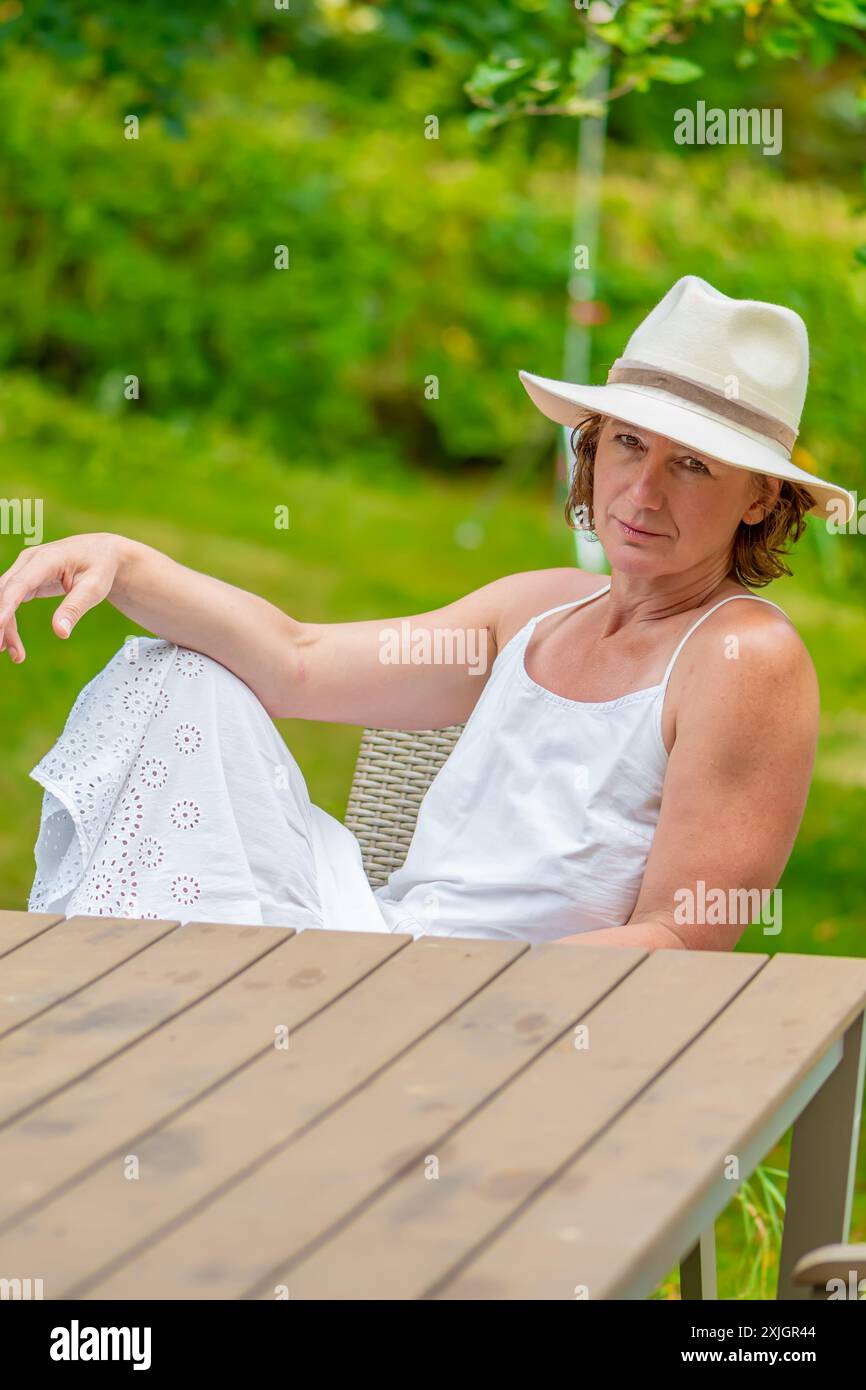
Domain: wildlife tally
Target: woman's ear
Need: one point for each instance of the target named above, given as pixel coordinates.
(768, 490)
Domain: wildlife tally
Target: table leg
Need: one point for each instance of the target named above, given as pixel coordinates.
(698, 1269)
(823, 1163)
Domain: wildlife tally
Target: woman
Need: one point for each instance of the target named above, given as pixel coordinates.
(633, 745)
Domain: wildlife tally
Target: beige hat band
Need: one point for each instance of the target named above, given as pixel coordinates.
(629, 371)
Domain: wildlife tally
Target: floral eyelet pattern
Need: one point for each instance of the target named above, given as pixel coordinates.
(189, 664)
(153, 773)
(151, 655)
(139, 816)
(127, 819)
(134, 701)
(94, 818)
(150, 852)
(185, 889)
(112, 888)
(123, 746)
(187, 739)
(185, 815)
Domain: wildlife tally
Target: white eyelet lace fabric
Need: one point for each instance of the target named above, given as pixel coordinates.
(170, 794)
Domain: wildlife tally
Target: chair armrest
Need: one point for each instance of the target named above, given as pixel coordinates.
(830, 1262)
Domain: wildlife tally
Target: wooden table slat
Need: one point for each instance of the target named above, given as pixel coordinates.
(103, 1217)
(140, 994)
(69, 956)
(587, 1113)
(16, 928)
(162, 1074)
(397, 1119)
(503, 1155)
(619, 1202)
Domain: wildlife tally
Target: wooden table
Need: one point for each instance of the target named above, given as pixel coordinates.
(212, 1111)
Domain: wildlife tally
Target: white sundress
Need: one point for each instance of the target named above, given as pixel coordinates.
(170, 794)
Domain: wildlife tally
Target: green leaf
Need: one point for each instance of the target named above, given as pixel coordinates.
(663, 68)
(639, 26)
(479, 121)
(822, 46)
(584, 64)
(784, 43)
(842, 12)
(611, 33)
(546, 78)
(584, 106)
(488, 77)
(549, 69)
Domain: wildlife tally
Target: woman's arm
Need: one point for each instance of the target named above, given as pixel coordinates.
(735, 791)
(651, 935)
(236, 628)
(419, 671)
(242, 631)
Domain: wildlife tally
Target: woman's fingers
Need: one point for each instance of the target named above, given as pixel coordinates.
(85, 593)
(15, 568)
(32, 575)
(12, 592)
(58, 568)
(11, 642)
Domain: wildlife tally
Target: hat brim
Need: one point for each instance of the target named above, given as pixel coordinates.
(568, 403)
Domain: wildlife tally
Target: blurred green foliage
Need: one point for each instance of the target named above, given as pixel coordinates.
(409, 260)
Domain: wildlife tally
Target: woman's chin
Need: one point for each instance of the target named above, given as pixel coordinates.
(635, 557)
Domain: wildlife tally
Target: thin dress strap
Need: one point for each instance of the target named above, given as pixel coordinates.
(730, 599)
(573, 603)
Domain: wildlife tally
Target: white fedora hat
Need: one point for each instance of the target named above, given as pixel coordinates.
(725, 376)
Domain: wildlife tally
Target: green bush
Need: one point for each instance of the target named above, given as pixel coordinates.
(409, 259)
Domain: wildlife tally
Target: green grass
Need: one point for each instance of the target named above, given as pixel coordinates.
(365, 541)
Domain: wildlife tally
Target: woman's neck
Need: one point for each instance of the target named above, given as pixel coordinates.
(634, 599)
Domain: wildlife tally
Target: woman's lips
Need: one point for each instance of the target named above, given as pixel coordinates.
(634, 533)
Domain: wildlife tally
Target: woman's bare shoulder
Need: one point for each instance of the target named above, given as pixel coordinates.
(767, 629)
(521, 596)
(747, 664)
(751, 651)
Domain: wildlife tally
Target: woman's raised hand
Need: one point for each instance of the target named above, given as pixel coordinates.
(83, 568)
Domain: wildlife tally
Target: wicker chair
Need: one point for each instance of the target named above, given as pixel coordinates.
(393, 771)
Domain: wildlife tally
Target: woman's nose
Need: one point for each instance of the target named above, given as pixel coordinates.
(645, 487)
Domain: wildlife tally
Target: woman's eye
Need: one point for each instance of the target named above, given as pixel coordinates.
(696, 466)
(630, 440)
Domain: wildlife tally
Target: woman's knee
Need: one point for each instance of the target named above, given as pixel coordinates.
(152, 670)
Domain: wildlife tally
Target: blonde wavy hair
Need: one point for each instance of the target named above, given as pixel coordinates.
(757, 550)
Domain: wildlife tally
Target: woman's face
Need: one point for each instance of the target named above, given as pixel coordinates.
(661, 508)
